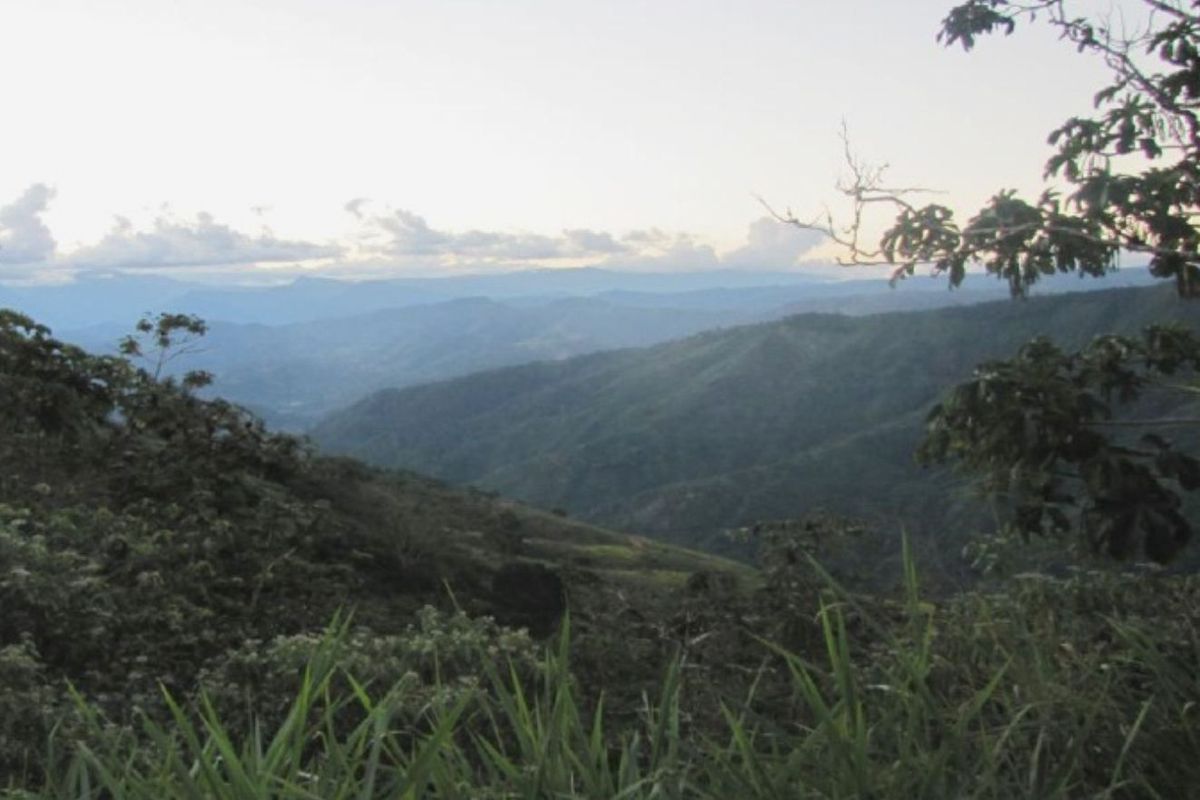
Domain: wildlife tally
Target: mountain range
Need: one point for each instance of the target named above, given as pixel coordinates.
(296, 352)
(120, 298)
(687, 438)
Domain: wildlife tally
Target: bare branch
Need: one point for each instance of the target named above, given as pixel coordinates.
(864, 186)
(1146, 423)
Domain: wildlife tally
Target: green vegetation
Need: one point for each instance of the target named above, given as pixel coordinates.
(1042, 429)
(168, 567)
(1038, 427)
(1051, 690)
(152, 540)
(728, 428)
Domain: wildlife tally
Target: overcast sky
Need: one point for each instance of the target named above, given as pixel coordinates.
(392, 136)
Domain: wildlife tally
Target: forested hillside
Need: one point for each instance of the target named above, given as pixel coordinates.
(196, 607)
(152, 540)
(295, 373)
(726, 428)
(292, 375)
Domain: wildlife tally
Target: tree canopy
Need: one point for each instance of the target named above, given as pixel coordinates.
(1066, 437)
(1124, 180)
(1042, 427)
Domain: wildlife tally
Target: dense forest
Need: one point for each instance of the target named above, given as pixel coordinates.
(692, 438)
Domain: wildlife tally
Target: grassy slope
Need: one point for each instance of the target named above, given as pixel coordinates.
(465, 536)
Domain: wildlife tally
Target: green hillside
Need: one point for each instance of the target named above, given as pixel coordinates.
(196, 607)
(294, 374)
(682, 440)
(149, 538)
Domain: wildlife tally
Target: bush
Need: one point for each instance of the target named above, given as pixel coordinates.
(440, 659)
(1059, 689)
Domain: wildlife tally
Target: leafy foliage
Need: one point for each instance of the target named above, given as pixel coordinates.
(164, 339)
(441, 659)
(1131, 173)
(1054, 689)
(1133, 168)
(74, 413)
(1039, 426)
(152, 539)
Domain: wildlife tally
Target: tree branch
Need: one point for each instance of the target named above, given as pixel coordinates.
(1146, 423)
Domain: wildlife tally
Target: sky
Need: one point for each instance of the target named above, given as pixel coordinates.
(261, 139)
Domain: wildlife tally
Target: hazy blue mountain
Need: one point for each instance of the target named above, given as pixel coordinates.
(122, 298)
(727, 427)
(295, 352)
(93, 299)
(293, 374)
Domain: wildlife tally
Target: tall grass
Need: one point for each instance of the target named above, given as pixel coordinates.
(986, 697)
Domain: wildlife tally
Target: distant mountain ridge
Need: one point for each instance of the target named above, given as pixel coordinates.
(296, 352)
(123, 297)
(727, 427)
(293, 374)
(92, 300)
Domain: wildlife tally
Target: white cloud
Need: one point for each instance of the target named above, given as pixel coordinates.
(654, 250)
(24, 237)
(584, 240)
(355, 206)
(406, 243)
(407, 234)
(200, 242)
(772, 245)
(402, 234)
(382, 242)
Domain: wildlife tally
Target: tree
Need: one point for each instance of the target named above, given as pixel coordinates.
(1133, 168)
(160, 340)
(65, 412)
(1045, 427)
(1041, 429)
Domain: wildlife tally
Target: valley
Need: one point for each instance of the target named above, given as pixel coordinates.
(295, 353)
(690, 438)
(552, 401)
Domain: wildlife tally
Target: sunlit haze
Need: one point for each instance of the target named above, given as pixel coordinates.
(244, 140)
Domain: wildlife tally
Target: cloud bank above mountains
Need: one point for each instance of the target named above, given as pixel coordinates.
(24, 237)
(380, 242)
(202, 242)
